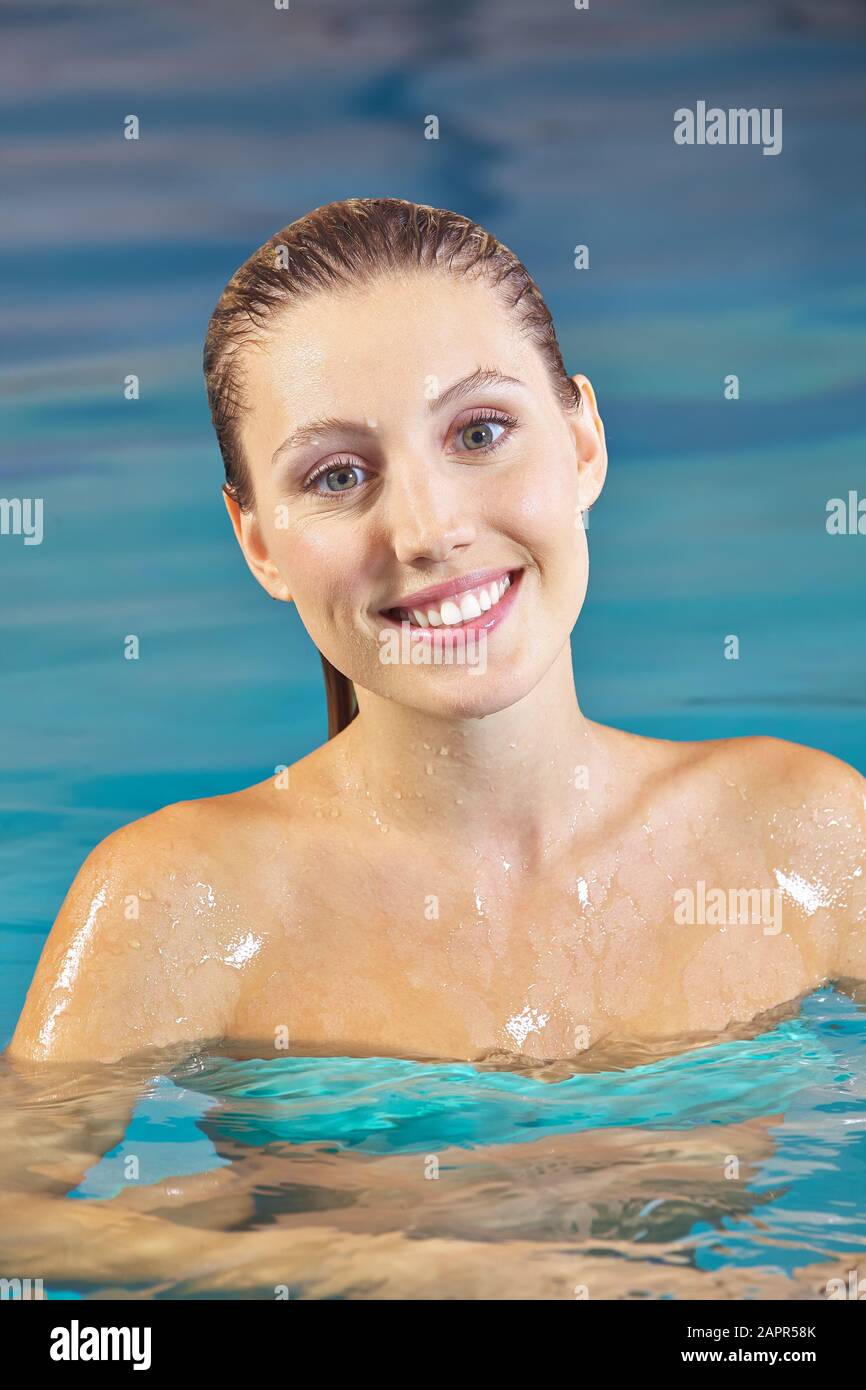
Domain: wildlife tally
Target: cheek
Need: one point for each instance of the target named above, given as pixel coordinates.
(311, 563)
(325, 566)
(315, 550)
(541, 511)
(542, 497)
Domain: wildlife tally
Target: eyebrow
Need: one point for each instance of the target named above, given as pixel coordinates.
(313, 431)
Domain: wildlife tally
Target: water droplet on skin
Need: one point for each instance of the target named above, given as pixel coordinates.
(399, 796)
(809, 896)
(242, 949)
(334, 813)
(443, 752)
(519, 1026)
(429, 769)
(145, 895)
(135, 944)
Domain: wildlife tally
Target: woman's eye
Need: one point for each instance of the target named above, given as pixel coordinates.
(341, 478)
(478, 434)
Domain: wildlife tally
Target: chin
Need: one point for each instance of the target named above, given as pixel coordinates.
(464, 695)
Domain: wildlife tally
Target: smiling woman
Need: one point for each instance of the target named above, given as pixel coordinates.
(469, 865)
(395, 264)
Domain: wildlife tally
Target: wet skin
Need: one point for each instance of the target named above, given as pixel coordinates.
(292, 909)
(472, 866)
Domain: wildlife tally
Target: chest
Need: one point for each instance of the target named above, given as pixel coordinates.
(389, 956)
(423, 962)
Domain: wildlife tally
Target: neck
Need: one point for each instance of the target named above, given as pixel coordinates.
(521, 780)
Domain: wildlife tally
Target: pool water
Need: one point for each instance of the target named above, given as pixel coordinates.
(730, 1170)
(734, 1169)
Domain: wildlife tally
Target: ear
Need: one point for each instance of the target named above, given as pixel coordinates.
(249, 537)
(592, 449)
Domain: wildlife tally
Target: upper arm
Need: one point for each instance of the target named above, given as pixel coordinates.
(812, 818)
(112, 978)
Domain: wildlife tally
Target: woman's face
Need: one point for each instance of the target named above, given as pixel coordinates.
(397, 491)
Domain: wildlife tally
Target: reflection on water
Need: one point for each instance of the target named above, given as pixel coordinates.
(732, 1169)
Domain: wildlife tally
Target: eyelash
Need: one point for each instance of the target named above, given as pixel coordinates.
(499, 417)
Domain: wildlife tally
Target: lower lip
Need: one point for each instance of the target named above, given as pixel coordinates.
(493, 618)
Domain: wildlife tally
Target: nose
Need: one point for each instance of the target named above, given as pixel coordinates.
(426, 512)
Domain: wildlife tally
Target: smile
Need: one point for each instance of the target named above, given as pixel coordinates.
(481, 606)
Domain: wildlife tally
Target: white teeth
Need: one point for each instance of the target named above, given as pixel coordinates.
(462, 608)
(469, 607)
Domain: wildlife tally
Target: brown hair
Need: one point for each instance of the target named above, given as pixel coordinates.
(347, 244)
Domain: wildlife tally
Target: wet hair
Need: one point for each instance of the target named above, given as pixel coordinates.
(346, 245)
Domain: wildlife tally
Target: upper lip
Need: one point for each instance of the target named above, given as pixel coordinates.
(448, 587)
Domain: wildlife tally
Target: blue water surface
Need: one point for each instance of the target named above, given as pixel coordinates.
(807, 1074)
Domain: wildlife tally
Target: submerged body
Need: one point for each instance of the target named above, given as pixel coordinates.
(697, 885)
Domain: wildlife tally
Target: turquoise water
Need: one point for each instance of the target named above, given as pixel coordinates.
(389, 1105)
(802, 1200)
(556, 130)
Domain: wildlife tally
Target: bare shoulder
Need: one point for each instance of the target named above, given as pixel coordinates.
(802, 789)
(769, 774)
(136, 956)
(807, 810)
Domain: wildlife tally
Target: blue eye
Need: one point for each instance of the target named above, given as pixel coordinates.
(337, 477)
(485, 430)
(478, 434)
(341, 479)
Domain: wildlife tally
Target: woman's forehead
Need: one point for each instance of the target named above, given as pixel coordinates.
(339, 351)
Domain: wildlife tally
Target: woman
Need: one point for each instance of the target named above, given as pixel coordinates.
(469, 864)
